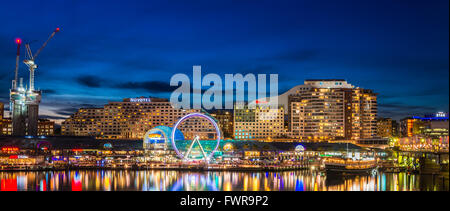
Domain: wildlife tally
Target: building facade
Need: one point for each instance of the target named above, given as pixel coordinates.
(323, 110)
(225, 121)
(132, 118)
(2, 110)
(45, 127)
(432, 125)
(84, 122)
(387, 127)
(259, 123)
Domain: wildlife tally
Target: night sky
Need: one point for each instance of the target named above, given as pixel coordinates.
(109, 50)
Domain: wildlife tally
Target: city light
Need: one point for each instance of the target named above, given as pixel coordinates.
(207, 96)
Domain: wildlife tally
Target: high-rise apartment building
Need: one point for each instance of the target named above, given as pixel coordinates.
(132, 118)
(330, 109)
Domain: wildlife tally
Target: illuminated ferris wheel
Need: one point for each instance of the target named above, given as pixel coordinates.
(196, 140)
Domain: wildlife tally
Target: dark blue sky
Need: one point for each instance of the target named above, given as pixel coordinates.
(109, 50)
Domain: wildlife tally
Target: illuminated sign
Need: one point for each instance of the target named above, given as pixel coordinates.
(155, 136)
(58, 158)
(10, 149)
(441, 114)
(140, 100)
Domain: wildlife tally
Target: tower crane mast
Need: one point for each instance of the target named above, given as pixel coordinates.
(16, 71)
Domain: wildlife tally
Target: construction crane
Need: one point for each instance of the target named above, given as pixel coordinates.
(26, 101)
(30, 61)
(17, 99)
(16, 71)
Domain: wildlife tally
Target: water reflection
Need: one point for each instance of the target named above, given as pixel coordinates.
(157, 180)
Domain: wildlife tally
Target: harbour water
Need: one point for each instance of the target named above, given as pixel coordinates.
(165, 180)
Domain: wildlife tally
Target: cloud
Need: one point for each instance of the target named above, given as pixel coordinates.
(49, 91)
(66, 111)
(401, 110)
(70, 109)
(152, 86)
(403, 106)
(51, 117)
(90, 81)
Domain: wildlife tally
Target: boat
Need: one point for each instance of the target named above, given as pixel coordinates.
(348, 165)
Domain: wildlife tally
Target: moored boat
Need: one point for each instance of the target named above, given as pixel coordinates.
(347, 165)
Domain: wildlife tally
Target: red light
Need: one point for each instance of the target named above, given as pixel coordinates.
(57, 29)
(18, 41)
(8, 185)
(44, 185)
(260, 102)
(76, 185)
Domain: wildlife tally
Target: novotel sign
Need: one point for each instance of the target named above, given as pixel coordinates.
(140, 100)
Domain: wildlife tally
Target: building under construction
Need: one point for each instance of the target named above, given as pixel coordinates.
(24, 101)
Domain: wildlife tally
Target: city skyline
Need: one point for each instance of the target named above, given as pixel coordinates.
(227, 95)
(399, 52)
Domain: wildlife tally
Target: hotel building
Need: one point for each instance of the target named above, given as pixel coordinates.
(132, 118)
(323, 110)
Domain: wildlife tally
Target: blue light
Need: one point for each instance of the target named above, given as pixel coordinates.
(430, 118)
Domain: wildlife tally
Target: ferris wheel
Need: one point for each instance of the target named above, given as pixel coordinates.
(196, 140)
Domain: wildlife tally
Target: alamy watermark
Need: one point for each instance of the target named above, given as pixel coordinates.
(212, 98)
